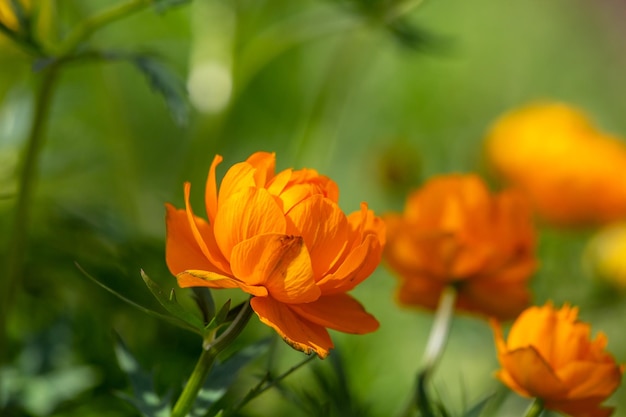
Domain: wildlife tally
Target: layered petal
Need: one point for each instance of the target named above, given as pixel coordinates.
(245, 214)
(298, 332)
(279, 263)
(339, 312)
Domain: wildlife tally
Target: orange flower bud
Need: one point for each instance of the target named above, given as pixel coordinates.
(549, 354)
(453, 232)
(570, 171)
(282, 238)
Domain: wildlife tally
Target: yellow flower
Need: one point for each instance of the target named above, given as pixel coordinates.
(570, 171)
(549, 354)
(606, 254)
(7, 15)
(282, 238)
(453, 232)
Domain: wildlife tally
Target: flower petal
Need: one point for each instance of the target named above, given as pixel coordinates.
(205, 239)
(590, 379)
(339, 312)
(245, 214)
(181, 249)
(324, 228)
(297, 331)
(278, 262)
(264, 164)
(198, 278)
(210, 193)
(357, 266)
(532, 372)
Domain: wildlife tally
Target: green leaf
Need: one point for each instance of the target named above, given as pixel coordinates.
(169, 302)
(478, 408)
(223, 375)
(220, 318)
(172, 320)
(144, 397)
(202, 296)
(166, 83)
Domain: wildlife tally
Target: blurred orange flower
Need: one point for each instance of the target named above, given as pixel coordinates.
(549, 354)
(572, 173)
(453, 232)
(282, 238)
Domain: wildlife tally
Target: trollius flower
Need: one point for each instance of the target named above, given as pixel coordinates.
(282, 238)
(549, 354)
(454, 232)
(571, 171)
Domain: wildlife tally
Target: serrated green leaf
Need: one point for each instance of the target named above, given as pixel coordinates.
(166, 83)
(171, 305)
(172, 320)
(144, 397)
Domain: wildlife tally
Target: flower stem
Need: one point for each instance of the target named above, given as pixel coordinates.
(434, 349)
(535, 409)
(209, 353)
(27, 177)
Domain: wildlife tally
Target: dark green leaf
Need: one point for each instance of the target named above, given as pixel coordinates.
(169, 302)
(223, 375)
(144, 398)
(166, 83)
(478, 408)
(202, 296)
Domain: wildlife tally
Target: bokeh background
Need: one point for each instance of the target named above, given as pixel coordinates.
(325, 84)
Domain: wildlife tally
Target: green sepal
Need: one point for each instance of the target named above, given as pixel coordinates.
(219, 319)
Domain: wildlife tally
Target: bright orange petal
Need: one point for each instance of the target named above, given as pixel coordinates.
(297, 331)
(197, 278)
(238, 177)
(210, 196)
(204, 239)
(324, 228)
(264, 164)
(339, 312)
(278, 262)
(181, 249)
(246, 214)
(590, 379)
(531, 371)
(357, 266)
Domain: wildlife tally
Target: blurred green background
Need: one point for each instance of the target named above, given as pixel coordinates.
(325, 84)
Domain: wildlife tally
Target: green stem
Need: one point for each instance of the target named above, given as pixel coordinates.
(93, 23)
(27, 177)
(209, 353)
(434, 349)
(535, 409)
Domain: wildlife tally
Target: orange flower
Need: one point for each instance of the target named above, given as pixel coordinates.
(550, 355)
(453, 232)
(283, 239)
(571, 172)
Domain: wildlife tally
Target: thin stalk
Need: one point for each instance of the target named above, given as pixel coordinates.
(26, 184)
(266, 383)
(88, 26)
(185, 402)
(535, 409)
(433, 352)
